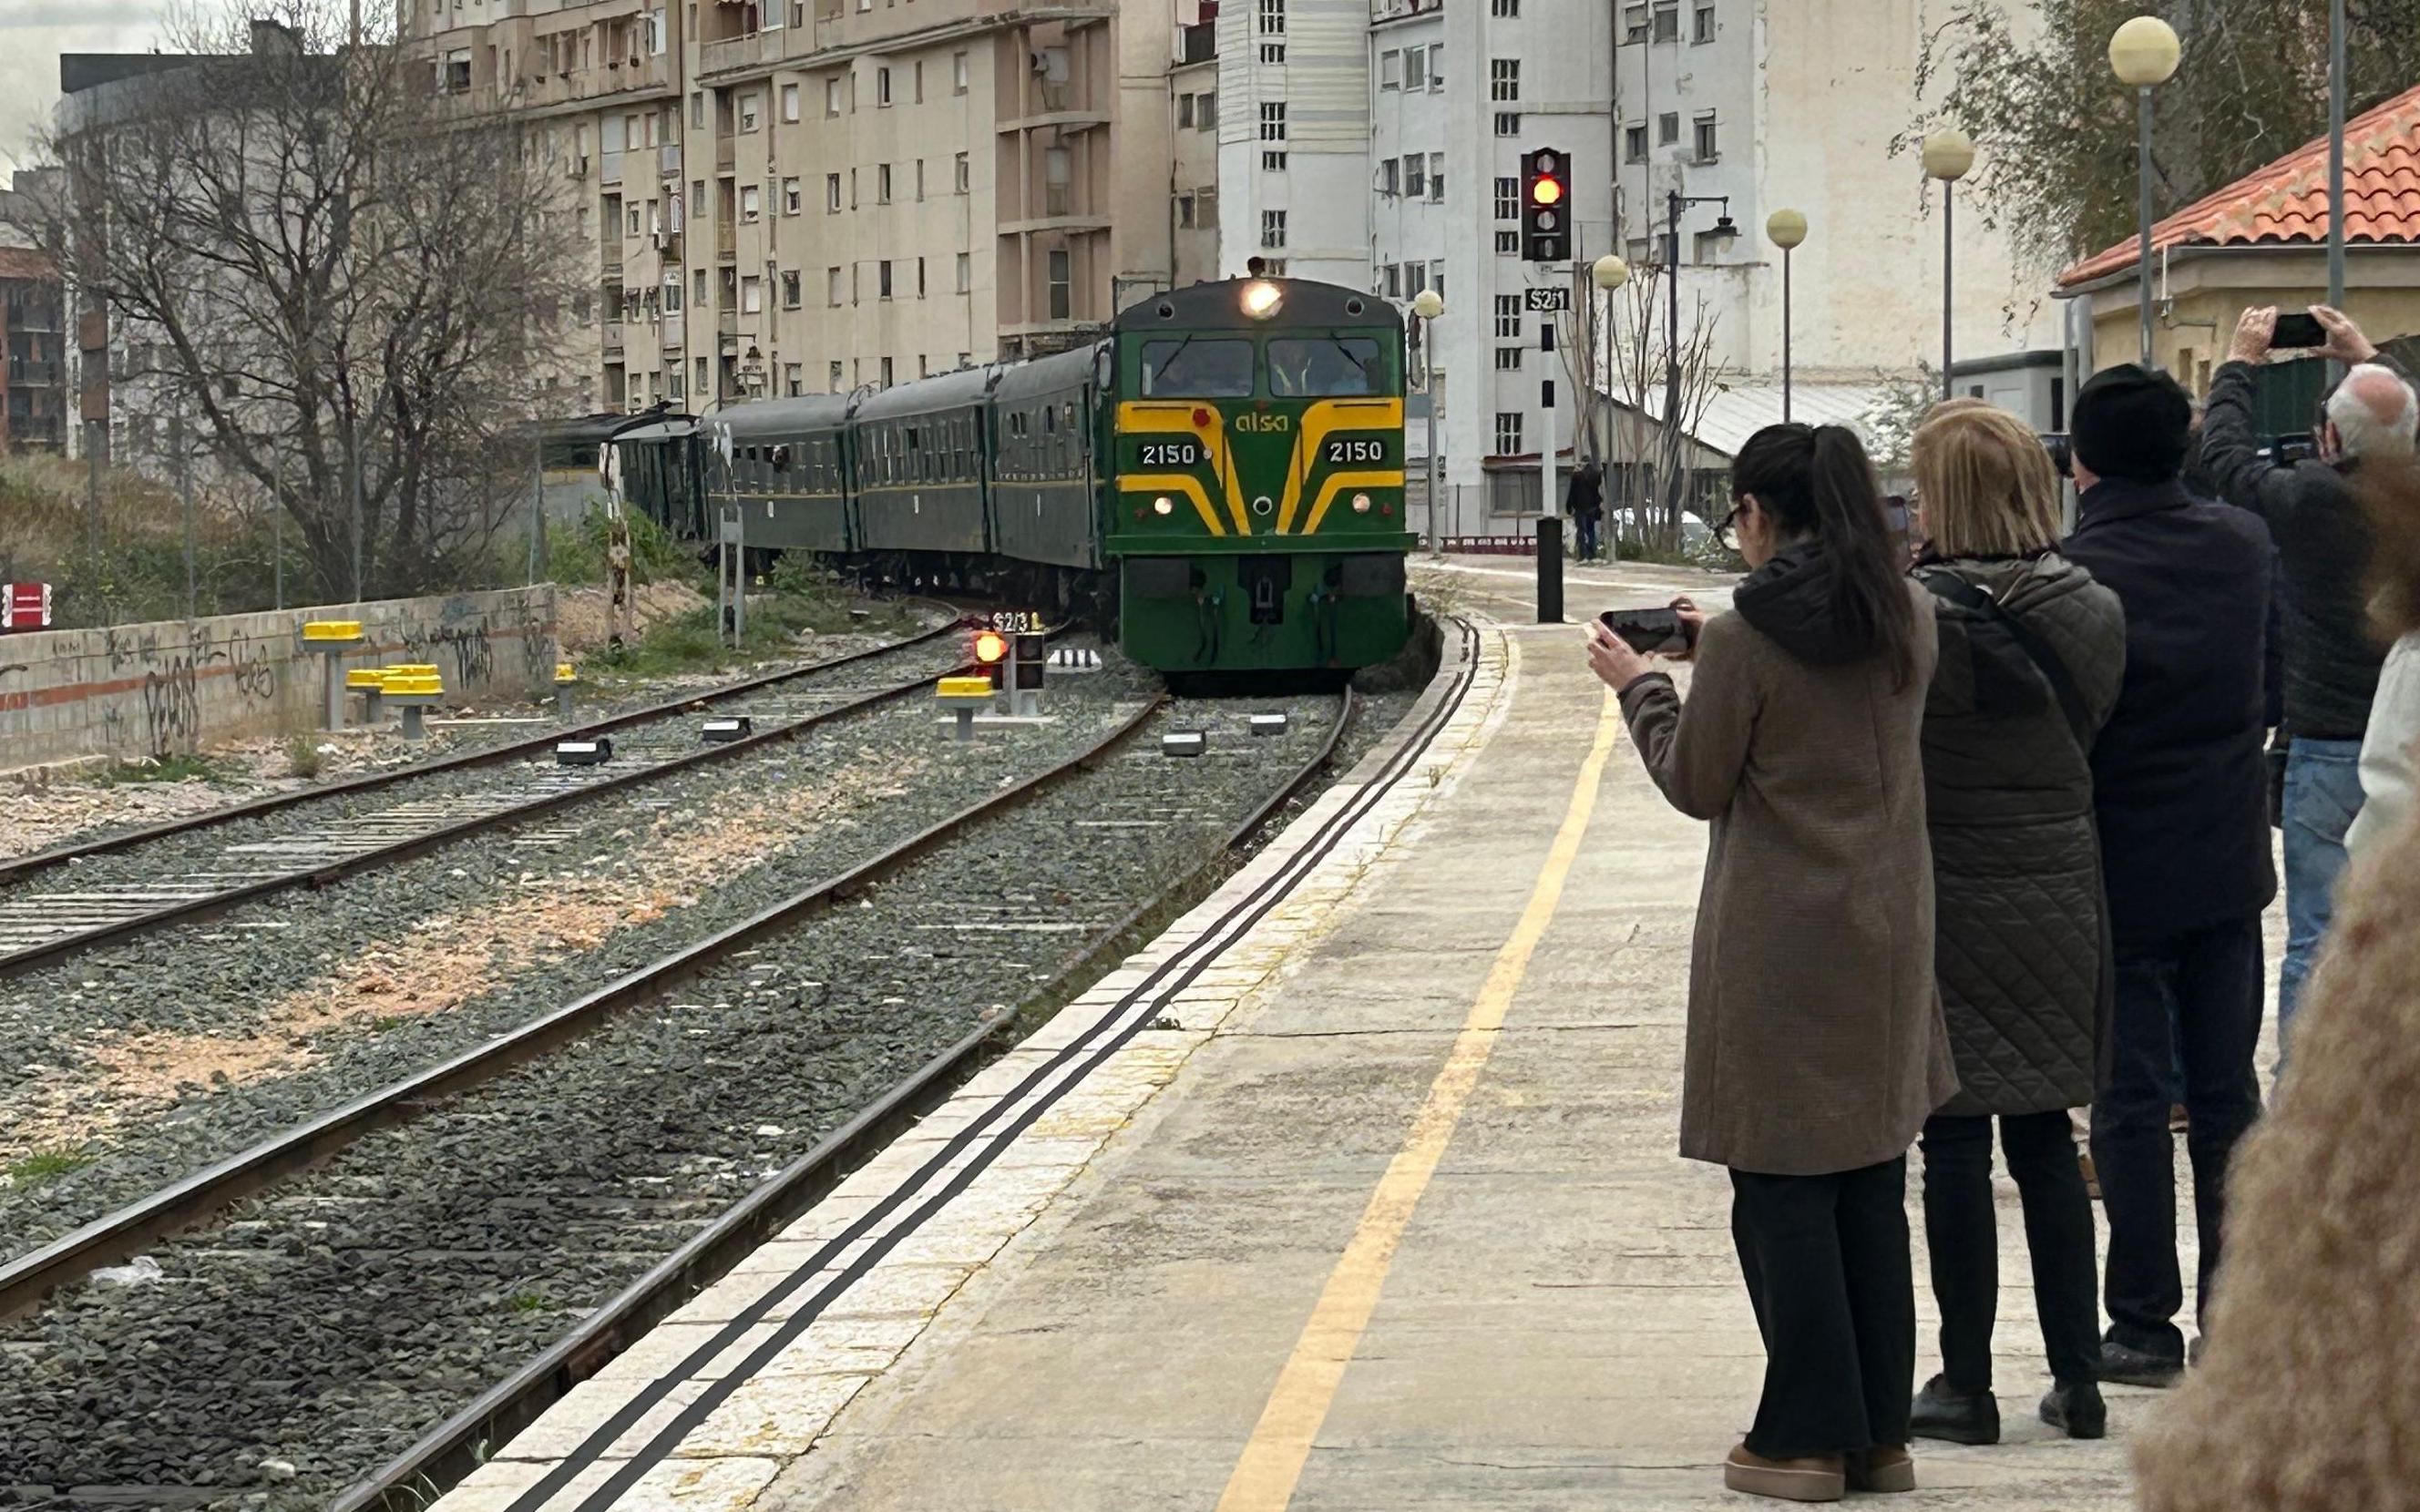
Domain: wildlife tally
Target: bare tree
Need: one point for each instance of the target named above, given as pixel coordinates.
(346, 285)
(1648, 451)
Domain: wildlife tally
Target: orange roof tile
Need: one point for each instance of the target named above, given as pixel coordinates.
(2286, 203)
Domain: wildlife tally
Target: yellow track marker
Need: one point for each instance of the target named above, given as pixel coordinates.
(1271, 1464)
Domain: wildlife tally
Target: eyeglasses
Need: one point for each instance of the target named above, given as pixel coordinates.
(1726, 525)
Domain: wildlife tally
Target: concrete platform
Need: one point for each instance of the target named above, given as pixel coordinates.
(1365, 1200)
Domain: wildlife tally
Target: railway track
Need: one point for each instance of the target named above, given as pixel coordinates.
(41, 926)
(825, 1054)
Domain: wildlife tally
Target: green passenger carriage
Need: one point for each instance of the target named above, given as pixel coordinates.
(1220, 480)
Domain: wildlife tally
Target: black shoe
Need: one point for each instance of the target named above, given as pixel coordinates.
(2075, 1408)
(1953, 1416)
(2129, 1366)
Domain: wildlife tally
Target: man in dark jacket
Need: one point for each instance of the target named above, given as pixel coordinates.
(2180, 793)
(2323, 546)
(1584, 503)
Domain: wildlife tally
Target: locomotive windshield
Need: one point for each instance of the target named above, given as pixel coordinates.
(1187, 367)
(1323, 366)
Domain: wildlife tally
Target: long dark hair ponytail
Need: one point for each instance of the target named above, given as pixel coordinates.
(1816, 483)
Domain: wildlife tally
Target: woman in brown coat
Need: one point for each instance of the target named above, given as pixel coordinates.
(1815, 1042)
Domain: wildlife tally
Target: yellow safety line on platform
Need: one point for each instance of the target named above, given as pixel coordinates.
(1272, 1461)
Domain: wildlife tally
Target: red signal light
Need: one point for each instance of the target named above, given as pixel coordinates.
(1546, 191)
(990, 647)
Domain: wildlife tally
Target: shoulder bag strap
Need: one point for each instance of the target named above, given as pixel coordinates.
(1966, 596)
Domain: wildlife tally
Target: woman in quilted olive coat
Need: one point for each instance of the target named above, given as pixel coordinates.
(2032, 651)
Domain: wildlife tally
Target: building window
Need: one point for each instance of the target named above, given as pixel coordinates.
(1393, 276)
(957, 73)
(920, 180)
(752, 295)
(792, 199)
(886, 372)
(1711, 245)
(1273, 122)
(1273, 51)
(792, 297)
(1507, 10)
(751, 203)
(920, 278)
(1508, 123)
(748, 111)
(1436, 65)
(831, 193)
(1508, 432)
(1668, 129)
(702, 380)
(966, 271)
(794, 378)
(789, 102)
(697, 111)
(831, 97)
(882, 282)
(1667, 20)
(833, 375)
(920, 81)
(882, 87)
(1273, 229)
(1634, 23)
(457, 71)
(1390, 177)
(1205, 115)
(1416, 276)
(1272, 14)
(1416, 176)
(832, 297)
(961, 172)
(1705, 25)
(1184, 212)
(1273, 160)
(1508, 316)
(1709, 150)
(1062, 293)
(882, 183)
(1504, 80)
(1634, 143)
(1436, 178)
(1508, 199)
(1390, 69)
(1416, 67)
(1508, 358)
(1183, 112)
(672, 294)
(699, 299)
(1508, 242)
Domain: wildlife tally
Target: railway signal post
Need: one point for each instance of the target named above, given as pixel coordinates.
(1546, 238)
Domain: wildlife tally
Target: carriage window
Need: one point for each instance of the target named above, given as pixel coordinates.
(1326, 365)
(1187, 367)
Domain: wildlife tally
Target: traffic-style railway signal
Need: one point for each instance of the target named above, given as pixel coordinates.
(1546, 205)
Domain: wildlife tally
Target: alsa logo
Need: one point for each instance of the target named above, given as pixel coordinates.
(1264, 423)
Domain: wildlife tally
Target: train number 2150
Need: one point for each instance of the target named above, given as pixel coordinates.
(1343, 452)
(1171, 454)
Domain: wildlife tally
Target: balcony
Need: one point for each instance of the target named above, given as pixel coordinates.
(609, 259)
(613, 337)
(734, 53)
(726, 152)
(671, 332)
(610, 168)
(668, 160)
(32, 373)
(726, 241)
(1197, 43)
(621, 76)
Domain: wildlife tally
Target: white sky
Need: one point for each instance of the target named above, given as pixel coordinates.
(32, 34)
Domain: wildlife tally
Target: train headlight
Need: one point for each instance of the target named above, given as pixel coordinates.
(1163, 505)
(1361, 504)
(1262, 298)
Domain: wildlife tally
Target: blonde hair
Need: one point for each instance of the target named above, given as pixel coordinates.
(1985, 482)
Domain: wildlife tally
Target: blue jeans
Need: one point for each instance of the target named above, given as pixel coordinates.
(2322, 795)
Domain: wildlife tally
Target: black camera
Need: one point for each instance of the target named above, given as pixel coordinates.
(2287, 450)
(2062, 455)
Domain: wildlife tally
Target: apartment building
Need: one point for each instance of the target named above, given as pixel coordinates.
(801, 196)
(35, 372)
(1194, 144)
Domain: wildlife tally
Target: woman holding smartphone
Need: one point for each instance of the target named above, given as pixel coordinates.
(2032, 652)
(1815, 1046)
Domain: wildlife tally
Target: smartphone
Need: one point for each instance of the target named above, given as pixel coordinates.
(2299, 331)
(1648, 630)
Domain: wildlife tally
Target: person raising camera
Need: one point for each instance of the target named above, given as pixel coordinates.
(1815, 1045)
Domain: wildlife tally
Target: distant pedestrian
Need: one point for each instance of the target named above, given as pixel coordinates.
(2331, 663)
(1815, 1042)
(1584, 503)
(2180, 793)
(2031, 653)
(2305, 1399)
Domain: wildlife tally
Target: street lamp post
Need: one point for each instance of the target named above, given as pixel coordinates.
(1608, 273)
(1426, 306)
(1947, 154)
(1785, 229)
(2143, 53)
(1674, 203)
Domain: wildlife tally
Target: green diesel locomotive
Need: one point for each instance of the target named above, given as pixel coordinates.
(1221, 479)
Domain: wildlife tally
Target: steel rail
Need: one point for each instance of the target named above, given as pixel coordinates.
(113, 1236)
(450, 1451)
(18, 867)
(50, 953)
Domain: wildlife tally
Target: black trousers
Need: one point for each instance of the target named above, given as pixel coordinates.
(2192, 1001)
(1961, 1233)
(1828, 1273)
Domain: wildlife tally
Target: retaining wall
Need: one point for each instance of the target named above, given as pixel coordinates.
(174, 685)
